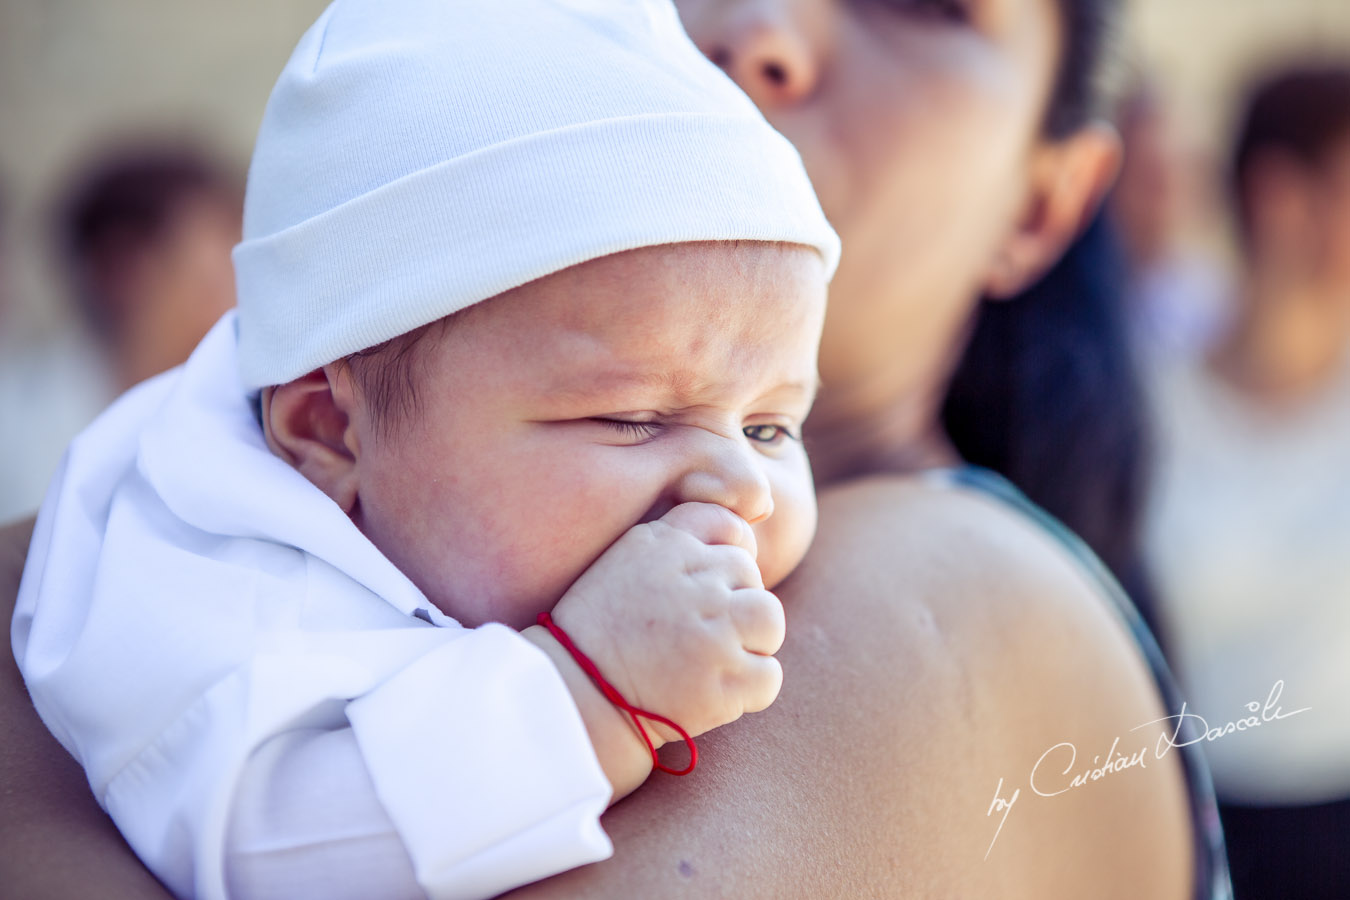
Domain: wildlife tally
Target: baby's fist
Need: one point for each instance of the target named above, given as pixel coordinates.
(676, 616)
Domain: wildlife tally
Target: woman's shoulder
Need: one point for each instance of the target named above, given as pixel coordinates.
(14, 539)
(970, 566)
(990, 651)
(970, 536)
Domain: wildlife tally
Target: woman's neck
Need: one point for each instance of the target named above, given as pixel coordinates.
(853, 433)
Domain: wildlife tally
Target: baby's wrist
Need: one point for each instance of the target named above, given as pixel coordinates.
(621, 751)
(640, 717)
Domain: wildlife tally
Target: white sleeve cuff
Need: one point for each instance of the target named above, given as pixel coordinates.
(479, 755)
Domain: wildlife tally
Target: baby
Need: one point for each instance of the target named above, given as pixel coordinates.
(529, 302)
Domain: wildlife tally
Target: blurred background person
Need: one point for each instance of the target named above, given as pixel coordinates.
(1250, 527)
(145, 236)
(142, 237)
(1177, 293)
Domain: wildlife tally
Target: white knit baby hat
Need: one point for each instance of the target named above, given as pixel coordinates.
(419, 156)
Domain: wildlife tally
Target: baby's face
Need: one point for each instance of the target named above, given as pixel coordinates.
(560, 414)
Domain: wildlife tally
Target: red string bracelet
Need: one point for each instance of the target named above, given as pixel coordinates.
(613, 696)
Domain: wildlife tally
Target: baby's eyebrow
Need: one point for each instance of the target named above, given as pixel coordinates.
(679, 385)
(806, 388)
(589, 385)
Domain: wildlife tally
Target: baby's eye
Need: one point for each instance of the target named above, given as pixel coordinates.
(635, 431)
(771, 435)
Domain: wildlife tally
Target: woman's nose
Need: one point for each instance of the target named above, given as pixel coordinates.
(762, 44)
(729, 473)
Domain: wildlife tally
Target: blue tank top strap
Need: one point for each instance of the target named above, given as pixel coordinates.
(1212, 880)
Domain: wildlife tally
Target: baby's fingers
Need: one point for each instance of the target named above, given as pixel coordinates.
(732, 566)
(712, 524)
(760, 681)
(757, 616)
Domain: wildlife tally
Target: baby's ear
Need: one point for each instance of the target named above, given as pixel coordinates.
(309, 423)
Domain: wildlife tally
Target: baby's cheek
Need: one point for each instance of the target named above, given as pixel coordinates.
(784, 537)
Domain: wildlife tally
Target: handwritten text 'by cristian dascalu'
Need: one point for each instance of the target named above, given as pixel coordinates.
(1051, 776)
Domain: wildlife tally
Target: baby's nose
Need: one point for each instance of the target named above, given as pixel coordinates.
(726, 471)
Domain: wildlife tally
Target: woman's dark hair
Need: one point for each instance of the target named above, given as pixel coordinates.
(1079, 94)
(1046, 393)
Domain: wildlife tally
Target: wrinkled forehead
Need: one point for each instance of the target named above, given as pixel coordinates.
(687, 315)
